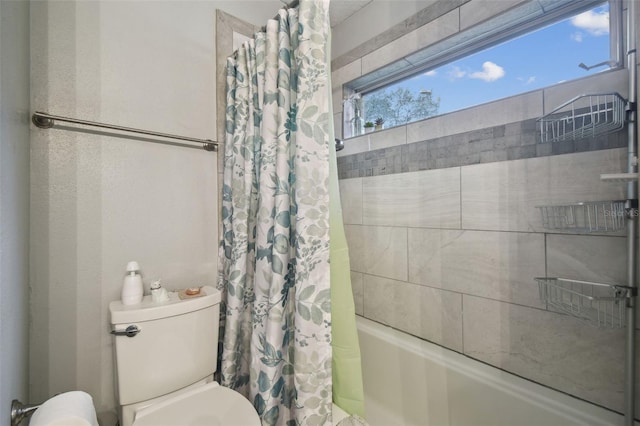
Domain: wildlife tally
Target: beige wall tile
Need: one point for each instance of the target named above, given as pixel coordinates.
(337, 126)
(346, 73)
(354, 235)
(504, 195)
(430, 33)
(498, 265)
(378, 250)
(438, 29)
(351, 200)
(336, 97)
(587, 257)
(553, 349)
(509, 110)
(388, 137)
(355, 146)
(385, 251)
(394, 51)
(428, 198)
(429, 313)
(476, 11)
(375, 140)
(358, 292)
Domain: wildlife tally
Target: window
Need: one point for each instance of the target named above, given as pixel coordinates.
(472, 70)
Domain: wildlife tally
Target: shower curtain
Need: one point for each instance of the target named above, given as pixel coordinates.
(274, 255)
(348, 389)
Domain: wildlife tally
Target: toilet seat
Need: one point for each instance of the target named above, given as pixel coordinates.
(206, 405)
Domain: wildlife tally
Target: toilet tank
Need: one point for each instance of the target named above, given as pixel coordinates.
(176, 346)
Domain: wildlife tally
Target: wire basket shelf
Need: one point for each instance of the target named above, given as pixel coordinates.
(600, 304)
(588, 216)
(584, 116)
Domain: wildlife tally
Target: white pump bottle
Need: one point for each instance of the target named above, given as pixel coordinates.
(132, 290)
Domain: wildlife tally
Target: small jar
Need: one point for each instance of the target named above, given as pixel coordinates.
(158, 293)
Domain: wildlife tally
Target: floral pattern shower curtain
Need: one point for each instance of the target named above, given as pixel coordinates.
(274, 255)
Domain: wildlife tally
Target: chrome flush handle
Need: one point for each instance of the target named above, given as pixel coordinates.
(130, 331)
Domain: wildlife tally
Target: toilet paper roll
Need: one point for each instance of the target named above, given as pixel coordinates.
(67, 409)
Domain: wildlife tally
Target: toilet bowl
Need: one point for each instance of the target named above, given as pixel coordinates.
(206, 405)
(165, 356)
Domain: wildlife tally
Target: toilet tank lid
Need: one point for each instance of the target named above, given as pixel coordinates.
(148, 310)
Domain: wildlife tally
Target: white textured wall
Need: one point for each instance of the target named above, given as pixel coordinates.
(99, 201)
(14, 203)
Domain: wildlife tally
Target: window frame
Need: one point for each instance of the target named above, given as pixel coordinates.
(500, 28)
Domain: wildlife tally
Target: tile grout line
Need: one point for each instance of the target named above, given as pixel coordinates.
(362, 202)
(446, 290)
(546, 268)
(460, 193)
(508, 231)
(407, 245)
(462, 321)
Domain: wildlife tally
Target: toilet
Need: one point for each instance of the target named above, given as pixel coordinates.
(165, 356)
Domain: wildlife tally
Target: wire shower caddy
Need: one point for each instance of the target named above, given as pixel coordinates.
(600, 304)
(584, 116)
(587, 216)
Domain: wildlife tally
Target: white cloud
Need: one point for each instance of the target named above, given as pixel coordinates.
(527, 80)
(595, 23)
(456, 73)
(577, 36)
(431, 73)
(490, 72)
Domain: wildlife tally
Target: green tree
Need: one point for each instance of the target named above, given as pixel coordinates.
(400, 105)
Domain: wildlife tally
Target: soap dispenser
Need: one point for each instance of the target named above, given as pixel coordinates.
(132, 290)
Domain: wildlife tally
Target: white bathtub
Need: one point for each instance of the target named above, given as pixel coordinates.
(409, 381)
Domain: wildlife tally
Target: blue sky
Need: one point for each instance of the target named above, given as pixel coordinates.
(547, 56)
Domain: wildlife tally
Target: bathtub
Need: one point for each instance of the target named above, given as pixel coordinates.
(408, 381)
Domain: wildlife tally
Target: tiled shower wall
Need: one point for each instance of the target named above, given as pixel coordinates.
(445, 238)
(449, 255)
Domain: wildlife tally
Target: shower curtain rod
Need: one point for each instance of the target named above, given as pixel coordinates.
(290, 5)
(285, 5)
(46, 121)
